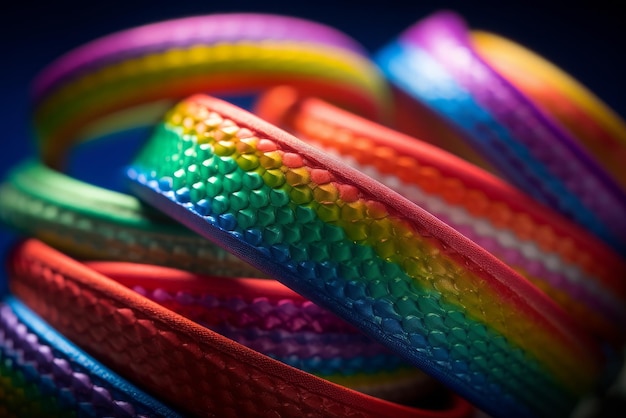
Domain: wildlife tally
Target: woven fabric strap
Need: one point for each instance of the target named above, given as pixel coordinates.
(361, 250)
(395, 258)
(570, 265)
(200, 372)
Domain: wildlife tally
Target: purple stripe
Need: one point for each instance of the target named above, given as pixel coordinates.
(259, 312)
(304, 345)
(281, 328)
(29, 351)
(185, 32)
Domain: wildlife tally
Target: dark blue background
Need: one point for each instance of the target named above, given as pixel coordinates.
(587, 41)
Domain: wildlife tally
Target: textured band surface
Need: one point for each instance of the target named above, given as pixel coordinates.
(362, 251)
(435, 63)
(89, 222)
(273, 320)
(45, 375)
(441, 265)
(128, 79)
(573, 267)
(592, 122)
(200, 372)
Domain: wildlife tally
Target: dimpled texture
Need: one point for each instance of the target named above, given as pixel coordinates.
(273, 320)
(584, 277)
(296, 333)
(330, 241)
(57, 209)
(188, 366)
(53, 379)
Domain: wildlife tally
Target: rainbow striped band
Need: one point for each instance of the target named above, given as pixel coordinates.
(429, 288)
(128, 79)
(109, 86)
(571, 266)
(598, 128)
(45, 375)
(435, 62)
(367, 254)
(194, 369)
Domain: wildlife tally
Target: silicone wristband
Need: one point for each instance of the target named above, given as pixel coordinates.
(181, 362)
(127, 79)
(574, 268)
(597, 127)
(90, 226)
(275, 321)
(97, 223)
(45, 375)
(182, 33)
(505, 126)
(365, 253)
(89, 222)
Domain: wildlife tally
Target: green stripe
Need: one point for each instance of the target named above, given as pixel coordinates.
(418, 310)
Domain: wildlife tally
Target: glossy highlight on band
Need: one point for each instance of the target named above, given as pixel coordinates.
(358, 249)
(183, 363)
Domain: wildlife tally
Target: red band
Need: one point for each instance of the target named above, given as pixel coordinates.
(181, 362)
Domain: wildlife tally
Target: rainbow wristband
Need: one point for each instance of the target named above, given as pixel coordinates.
(128, 79)
(571, 266)
(200, 372)
(432, 323)
(96, 223)
(45, 375)
(362, 251)
(597, 127)
(434, 62)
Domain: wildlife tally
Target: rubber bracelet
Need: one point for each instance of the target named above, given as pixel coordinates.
(504, 125)
(191, 367)
(93, 223)
(357, 248)
(107, 225)
(574, 268)
(127, 79)
(45, 375)
(275, 321)
(596, 126)
(91, 227)
(92, 231)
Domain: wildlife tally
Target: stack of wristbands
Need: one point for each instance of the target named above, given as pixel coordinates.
(434, 231)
